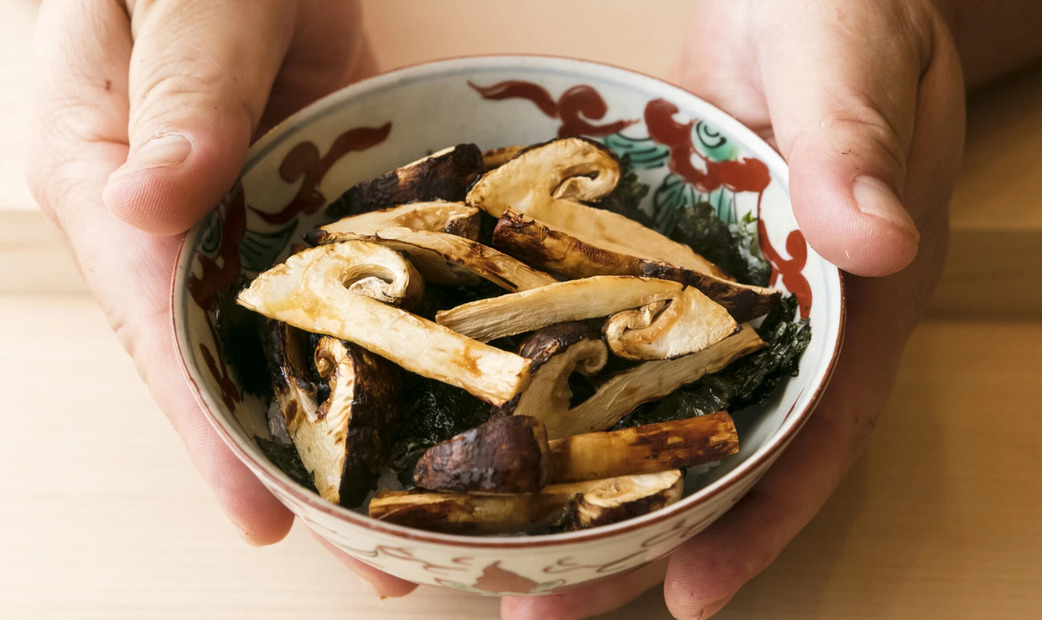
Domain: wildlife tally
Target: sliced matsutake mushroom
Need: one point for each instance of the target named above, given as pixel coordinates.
(448, 259)
(621, 393)
(670, 319)
(551, 181)
(557, 251)
(444, 175)
(343, 441)
(643, 449)
(506, 455)
(316, 290)
(625, 497)
(510, 454)
(494, 158)
(454, 218)
(663, 330)
(575, 504)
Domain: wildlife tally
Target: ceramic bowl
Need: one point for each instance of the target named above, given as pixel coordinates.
(684, 148)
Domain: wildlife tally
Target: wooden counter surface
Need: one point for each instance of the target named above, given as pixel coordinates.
(102, 515)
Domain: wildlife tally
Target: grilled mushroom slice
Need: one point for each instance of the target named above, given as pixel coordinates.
(343, 441)
(643, 449)
(454, 218)
(557, 251)
(444, 175)
(511, 454)
(494, 158)
(317, 290)
(551, 181)
(550, 399)
(578, 504)
(625, 497)
(448, 259)
(506, 455)
(672, 319)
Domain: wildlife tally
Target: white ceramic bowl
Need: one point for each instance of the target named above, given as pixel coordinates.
(683, 148)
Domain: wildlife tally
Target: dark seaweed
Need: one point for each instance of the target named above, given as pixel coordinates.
(433, 412)
(726, 245)
(625, 199)
(746, 382)
(285, 457)
(242, 335)
(441, 297)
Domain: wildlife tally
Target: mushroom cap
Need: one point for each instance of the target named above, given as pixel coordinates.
(504, 455)
(668, 329)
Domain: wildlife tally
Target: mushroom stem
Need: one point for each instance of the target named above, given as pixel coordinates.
(575, 504)
(448, 259)
(454, 218)
(308, 291)
(575, 300)
(623, 392)
(567, 254)
(644, 449)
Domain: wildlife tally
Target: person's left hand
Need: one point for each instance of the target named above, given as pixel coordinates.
(865, 102)
(144, 113)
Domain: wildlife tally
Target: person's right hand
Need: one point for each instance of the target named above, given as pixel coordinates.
(144, 113)
(864, 100)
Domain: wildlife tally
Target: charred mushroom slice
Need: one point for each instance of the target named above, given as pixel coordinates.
(447, 259)
(316, 290)
(445, 175)
(625, 497)
(505, 455)
(678, 327)
(550, 182)
(559, 252)
(644, 449)
(454, 218)
(620, 394)
(511, 454)
(589, 503)
(343, 441)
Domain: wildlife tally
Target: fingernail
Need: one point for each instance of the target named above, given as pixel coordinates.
(875, 198)
(170, 149)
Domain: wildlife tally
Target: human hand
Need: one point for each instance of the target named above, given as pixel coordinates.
(144, 114)
(865, 102)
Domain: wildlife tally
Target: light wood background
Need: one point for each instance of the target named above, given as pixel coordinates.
(102, 516)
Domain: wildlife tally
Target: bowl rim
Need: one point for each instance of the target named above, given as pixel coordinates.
(271, 475)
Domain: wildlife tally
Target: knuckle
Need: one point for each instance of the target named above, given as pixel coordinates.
(868, 134)
(189, 86)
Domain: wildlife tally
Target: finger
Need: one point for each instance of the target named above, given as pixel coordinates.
(82, 52)
(707, 571)
(200, 75)
(844, 118)
(383, 585)
(587, 600)
(329, 50)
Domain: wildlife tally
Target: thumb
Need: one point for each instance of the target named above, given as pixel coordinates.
(843, 117)
(200, 75)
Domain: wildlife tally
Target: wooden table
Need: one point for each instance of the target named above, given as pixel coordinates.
(102, 515)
